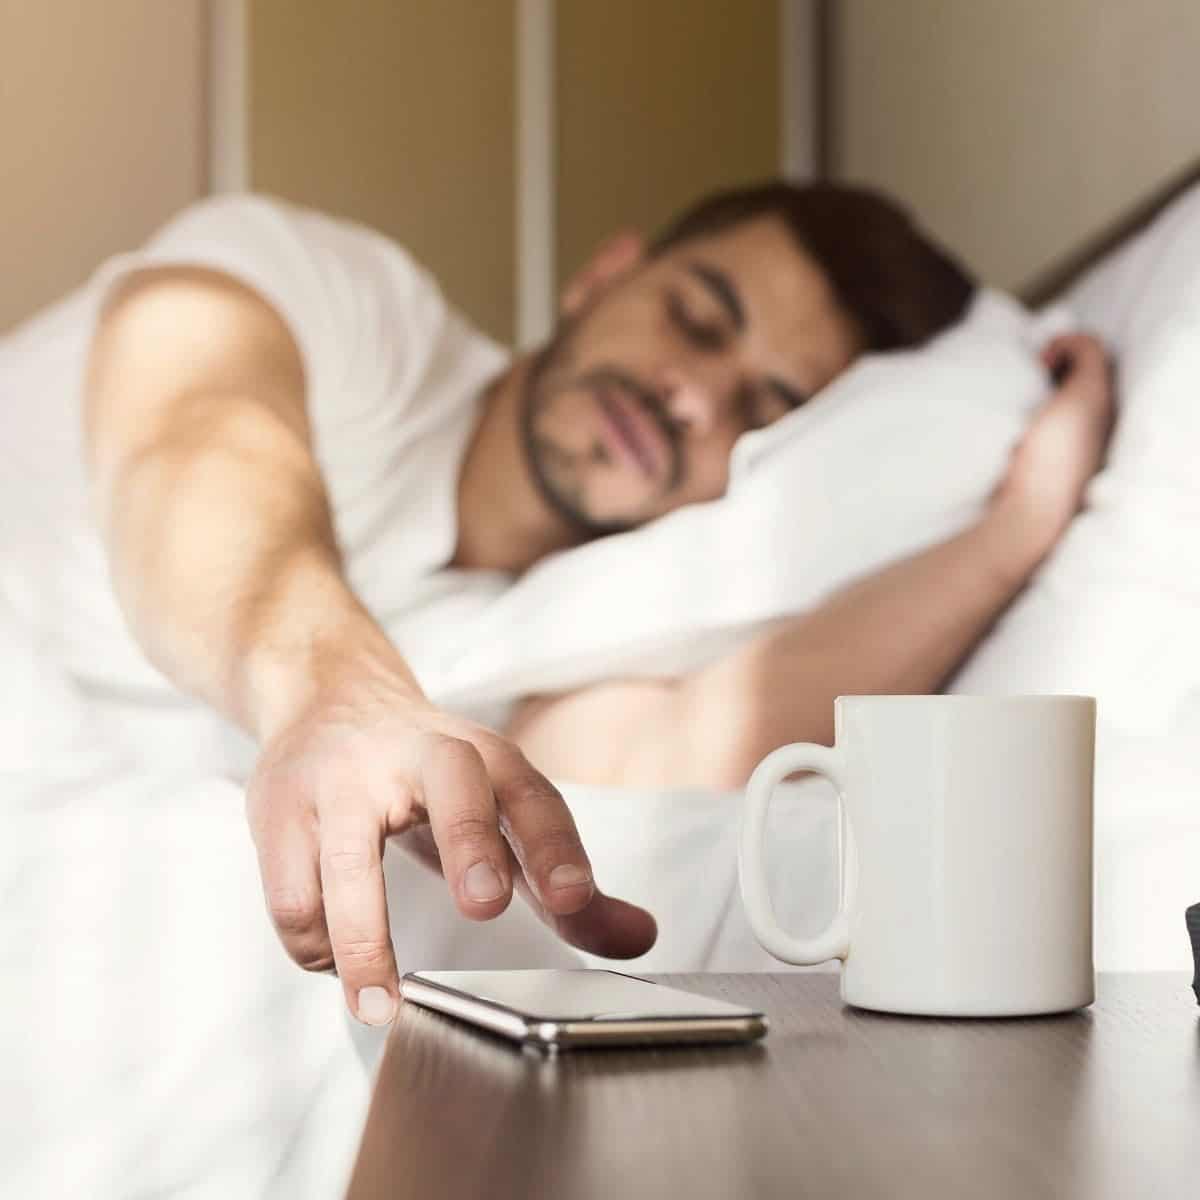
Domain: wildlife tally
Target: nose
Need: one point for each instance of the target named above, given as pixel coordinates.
(698, 402)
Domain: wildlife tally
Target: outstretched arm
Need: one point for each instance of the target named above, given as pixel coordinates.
(902, 630)
(222, 546)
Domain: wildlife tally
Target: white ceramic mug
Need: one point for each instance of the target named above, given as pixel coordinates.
(967, 865)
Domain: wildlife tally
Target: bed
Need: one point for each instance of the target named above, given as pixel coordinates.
(135, 1065)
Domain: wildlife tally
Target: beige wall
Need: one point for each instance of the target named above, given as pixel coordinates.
(101, 135)
(401, 113)
(1016, 127)
(398, 113)
(659, 101)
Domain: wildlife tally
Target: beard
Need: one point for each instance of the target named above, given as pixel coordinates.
(558, 471)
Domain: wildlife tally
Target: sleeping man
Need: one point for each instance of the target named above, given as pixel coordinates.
(283, 431)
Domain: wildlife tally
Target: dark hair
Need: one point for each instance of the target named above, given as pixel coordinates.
(899, 286)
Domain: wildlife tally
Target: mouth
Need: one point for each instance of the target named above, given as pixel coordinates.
(632, 433)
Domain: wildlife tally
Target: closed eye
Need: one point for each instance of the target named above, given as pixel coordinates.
(704, 335)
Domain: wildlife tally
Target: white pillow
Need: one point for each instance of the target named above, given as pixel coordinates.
(899, 452)
(1115, 612)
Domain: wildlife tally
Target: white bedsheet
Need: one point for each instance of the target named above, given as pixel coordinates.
(155, 1040)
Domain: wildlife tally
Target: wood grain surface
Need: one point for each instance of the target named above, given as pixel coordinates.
(835, 1102)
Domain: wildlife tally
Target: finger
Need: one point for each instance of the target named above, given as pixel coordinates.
(462, 815)
(1061, 369)
(1059, 358)
(287, 863)
(1067, 342)
(605, 925)
(541, 831)
(1072, 353)
(1057, 344)
(351, 864)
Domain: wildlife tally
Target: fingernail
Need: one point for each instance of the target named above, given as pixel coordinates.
(482, 883)
(376, 1006)
(568, 875)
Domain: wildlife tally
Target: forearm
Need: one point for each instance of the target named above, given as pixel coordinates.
(210, 500)
(225, 562)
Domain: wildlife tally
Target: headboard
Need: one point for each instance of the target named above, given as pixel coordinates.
(1060, 275)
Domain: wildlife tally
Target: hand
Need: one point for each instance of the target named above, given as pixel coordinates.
(1061, 450)
(371, 759)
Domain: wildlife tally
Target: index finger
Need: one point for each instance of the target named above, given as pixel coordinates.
(351, 866)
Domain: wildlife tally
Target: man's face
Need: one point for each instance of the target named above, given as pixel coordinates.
(634, 407)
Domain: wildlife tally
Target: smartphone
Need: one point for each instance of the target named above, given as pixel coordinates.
(555, 1010)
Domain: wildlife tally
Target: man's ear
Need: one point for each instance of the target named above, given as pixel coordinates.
(612, 258)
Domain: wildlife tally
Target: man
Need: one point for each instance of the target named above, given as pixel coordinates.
(285, 427)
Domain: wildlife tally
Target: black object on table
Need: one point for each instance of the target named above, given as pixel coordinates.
(1193, 924)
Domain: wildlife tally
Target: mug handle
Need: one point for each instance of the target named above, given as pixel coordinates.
(832, 942)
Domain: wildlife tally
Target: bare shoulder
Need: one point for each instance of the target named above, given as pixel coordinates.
(191, 306)
(170, 340)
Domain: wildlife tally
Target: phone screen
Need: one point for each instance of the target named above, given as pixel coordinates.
(581, 995)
